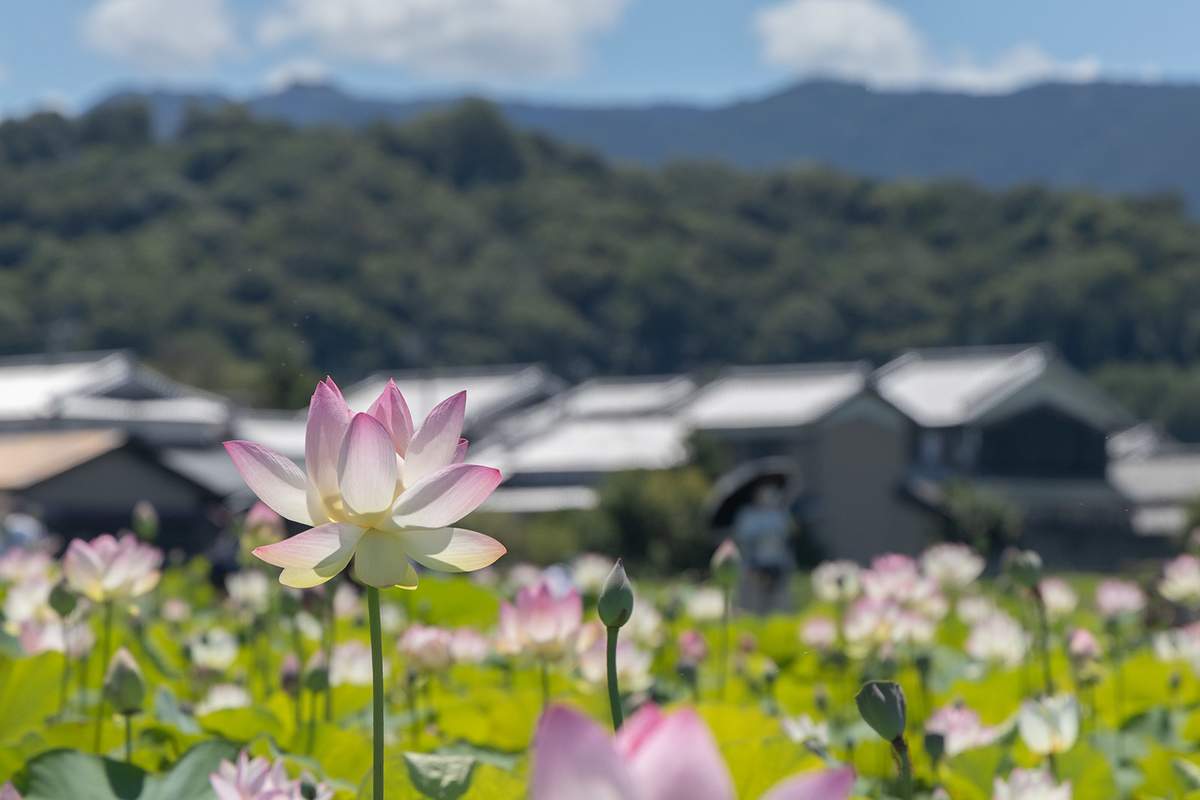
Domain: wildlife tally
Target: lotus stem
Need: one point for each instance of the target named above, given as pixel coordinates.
(128, 738)
(376, 691)
(614, 692)
(330, 633)
(105, 654)
(900, 746)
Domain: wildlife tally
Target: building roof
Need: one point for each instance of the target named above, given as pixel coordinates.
(27, 459)
(781, 396)
(537, 499)
(100, 386)
(490, 390)
(600, 397)
(947, 387)
(591, 445)
(1171, 475)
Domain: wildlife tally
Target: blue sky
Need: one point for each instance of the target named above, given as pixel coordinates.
(68, 53)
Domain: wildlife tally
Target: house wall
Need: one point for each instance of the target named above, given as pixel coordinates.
(861, 464)
(1043, 443)
(99, 496)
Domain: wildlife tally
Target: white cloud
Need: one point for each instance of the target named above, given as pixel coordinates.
(485, 40)
(302, 70)
(870, 42)
(161, 35)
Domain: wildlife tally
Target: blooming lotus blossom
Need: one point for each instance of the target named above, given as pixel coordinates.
(1049, 726)
(1115, 598)
(1181, 580)
(891, 577)
(1178, 644)
(999, 639)
(467, 646)
(633, 663)
(263, 523)
(426, 648)
(376, 490)
(974, 608)
(836, 581)
(961, 729)
(18, 565)
(107, 568)
(351, 664)
(540, 624)
(804, 730)
(28, 600)
(47, 636)
(249, 590)
(819, 631)
(655, 756)
(1030, 784)
(258, 779)
(346, 602)
(881, 623)
(952, 565)
(705, 604)
(645, 624)
(589, 571)
(1058, 597)
(175, 609)
(214, 650)
(222, 697)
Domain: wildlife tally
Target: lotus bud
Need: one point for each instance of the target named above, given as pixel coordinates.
(1024, 568)
(289, 674)
(316, 673)
(616, 598)
(935, 746)
(882, 705)
(726, 562)
(63, 600)
(124, 686)
(145, 520)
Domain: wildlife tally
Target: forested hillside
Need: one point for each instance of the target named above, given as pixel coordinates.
(246, 256)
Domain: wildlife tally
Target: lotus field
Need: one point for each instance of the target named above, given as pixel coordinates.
(328, 666)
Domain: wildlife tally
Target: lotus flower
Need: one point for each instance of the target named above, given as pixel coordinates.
(426, 648)
(961, 729)
(655, 756)
(351, 664)
(633, 663)
(107, 568)
(1030, 784)
(1181, 580)
(1049, 726)
(7, 792)
(1116, 598)
(1058, 597)
(819, 631)
(540, 624)
(999, 639)
(222, 697)
(375, 488)
(952, 565)
(468, 646)
(258, 779)
(836, 581)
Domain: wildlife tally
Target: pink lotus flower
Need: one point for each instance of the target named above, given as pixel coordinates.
(655, 756)
(1030, 784)
(19, 565)
(633, 663)
(1181, 580)
(467, 646)
(836, 581)
(693, 647)
(961, 729)
(374, 487)
(44, 636)
(107, 568)
(426, 648)
(1115, 597)
(1082, 645)
(1059, 598)
(258, 779)
(7, 792)
(952, 565)
(819, 631)
(540, 624)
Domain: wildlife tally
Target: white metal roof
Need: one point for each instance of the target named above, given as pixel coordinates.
(537, 499)
(1168, 476)
(773, 397)
(625, 396)
(592, 444)
(490, 390)
(946, 387)
(31, 389)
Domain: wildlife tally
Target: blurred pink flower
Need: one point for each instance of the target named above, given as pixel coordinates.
(633, 663)
(1082, 645)
(952, 565)
(43, 636)
(891, 577)
(819, 631)
(998, 639)
(426, 648)
(468, 646)
(7, 792)
(374, 487)
(351, 664)
(262, 522)
(693, 647)
(107, 568)
(655, 756)
(1115, 597)
(258, 779)
(1058, 596)
(19, 565)
(540, 624)
(961, 729)
(1181, 580)
(836, 581)
(1030, 784)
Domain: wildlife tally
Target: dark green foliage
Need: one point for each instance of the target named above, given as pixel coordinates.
(245, 252)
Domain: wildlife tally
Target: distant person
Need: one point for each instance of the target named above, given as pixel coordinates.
(23, 530)
(762, 530)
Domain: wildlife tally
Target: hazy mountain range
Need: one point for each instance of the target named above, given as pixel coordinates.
(1114, 137)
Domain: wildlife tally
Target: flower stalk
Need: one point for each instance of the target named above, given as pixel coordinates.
(376, 691)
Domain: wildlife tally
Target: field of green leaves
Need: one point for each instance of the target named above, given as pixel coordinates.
(472, 662)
